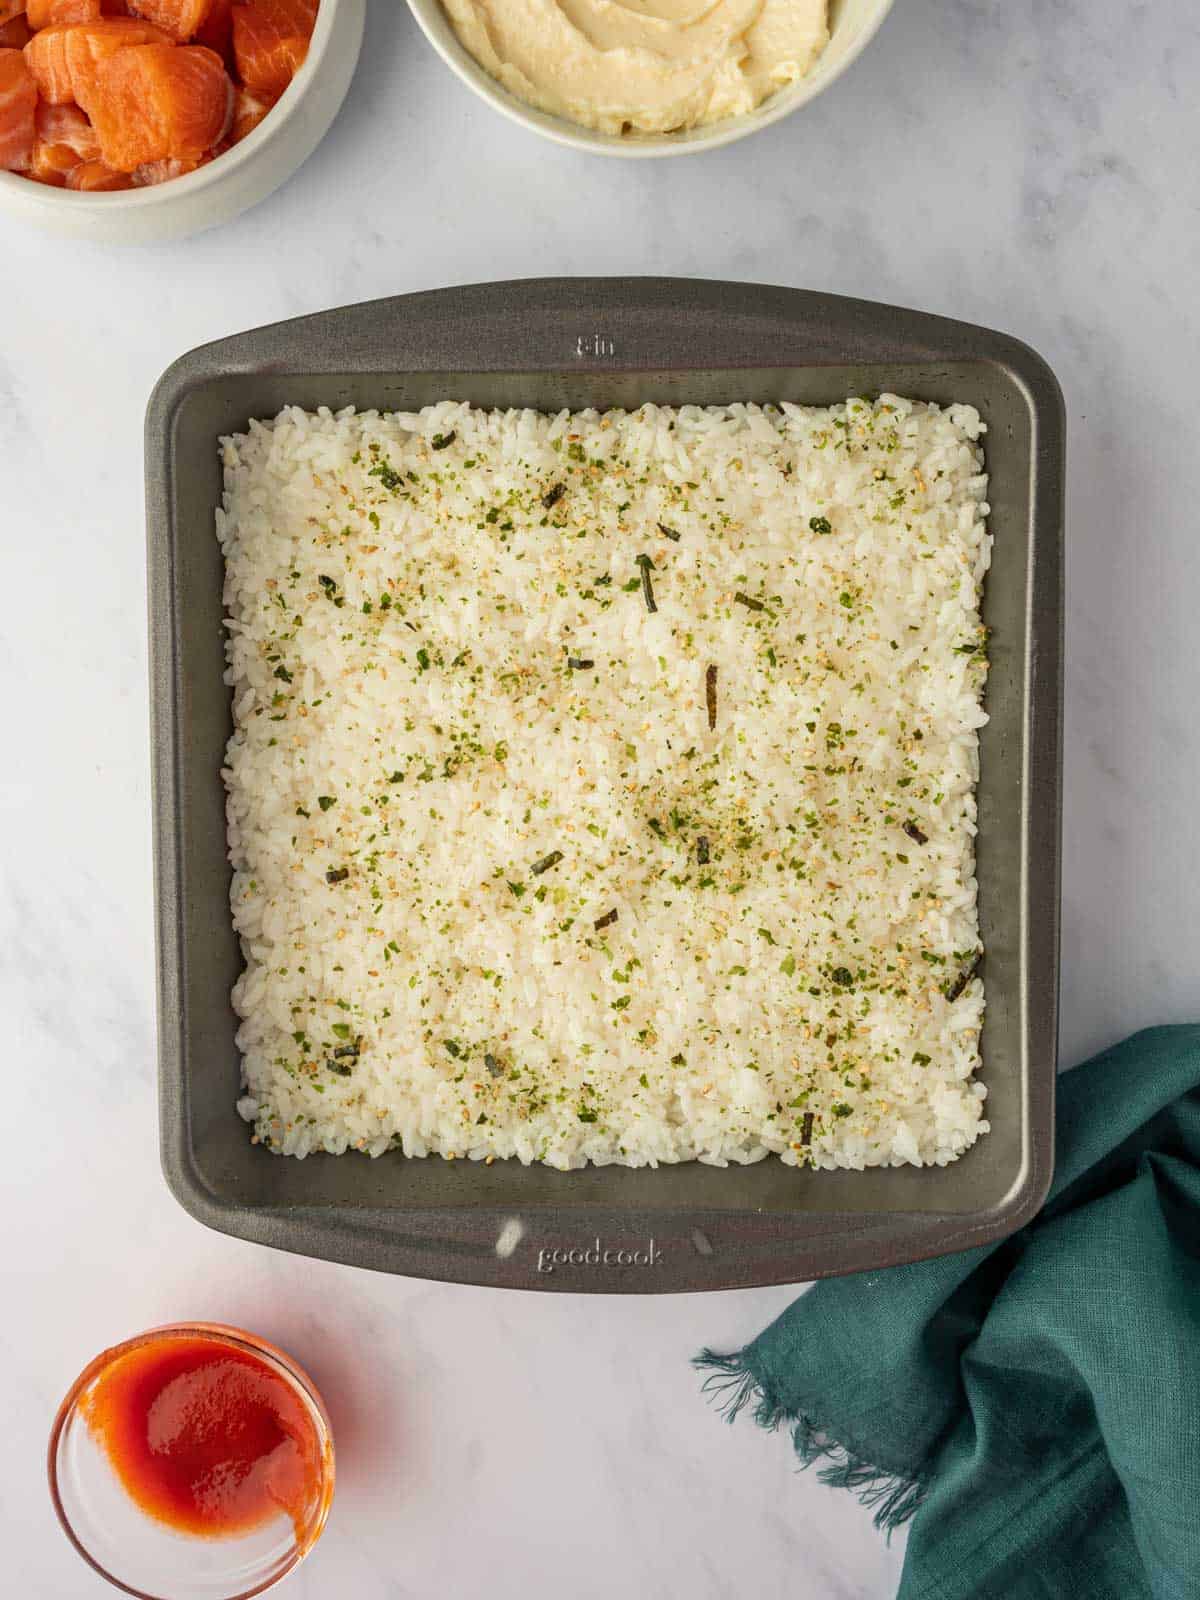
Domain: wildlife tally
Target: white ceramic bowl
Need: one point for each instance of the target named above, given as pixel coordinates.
(232, 183)
(852, 26)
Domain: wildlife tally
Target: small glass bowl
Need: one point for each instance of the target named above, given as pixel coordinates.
(146, 1558)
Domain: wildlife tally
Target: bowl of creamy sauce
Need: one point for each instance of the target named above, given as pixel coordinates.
(648, 77)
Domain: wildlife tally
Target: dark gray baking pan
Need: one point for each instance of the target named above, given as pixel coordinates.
(607, 342)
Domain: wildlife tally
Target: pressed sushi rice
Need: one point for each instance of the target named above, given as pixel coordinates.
(602, 785)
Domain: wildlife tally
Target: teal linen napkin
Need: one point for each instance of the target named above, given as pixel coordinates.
(1034, 1406)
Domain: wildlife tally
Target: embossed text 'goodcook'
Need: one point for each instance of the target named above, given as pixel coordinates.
(599, 1255)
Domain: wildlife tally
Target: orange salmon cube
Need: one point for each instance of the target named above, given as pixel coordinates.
(162, 171)
(247, 114)
(157, 102)
(270, 42)
(63, 57)
(46, 58)
(180, 18)
(18, 106)
(44, 13)
(65, 137)
(93, 176)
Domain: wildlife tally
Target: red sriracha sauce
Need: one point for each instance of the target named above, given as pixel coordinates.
(208, 1437)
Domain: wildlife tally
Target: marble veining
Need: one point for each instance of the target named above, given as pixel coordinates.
(1013, 162)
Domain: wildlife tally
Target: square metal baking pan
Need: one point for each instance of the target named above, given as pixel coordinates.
(607, 342)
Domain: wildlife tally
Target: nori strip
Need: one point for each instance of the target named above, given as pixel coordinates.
(960, 983)
(341, 1060)
(546, 863)
(647, 587)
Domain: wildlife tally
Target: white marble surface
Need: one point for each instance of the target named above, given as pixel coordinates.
(1013, 162)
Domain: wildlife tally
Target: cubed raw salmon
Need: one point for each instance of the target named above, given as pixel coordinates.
(64, 138)
(145, 177)
(94, 176)
(247, 114)
(270, 42)
(156, 102)
(18, 105)
(43, 13)
(63, 58)
(180, 18)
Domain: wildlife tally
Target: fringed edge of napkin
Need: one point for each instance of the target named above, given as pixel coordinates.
(732, 1384)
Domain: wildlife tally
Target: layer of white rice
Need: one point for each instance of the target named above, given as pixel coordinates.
(409, 600)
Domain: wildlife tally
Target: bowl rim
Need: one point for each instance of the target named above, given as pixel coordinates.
(44, 196)
(429, 14)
